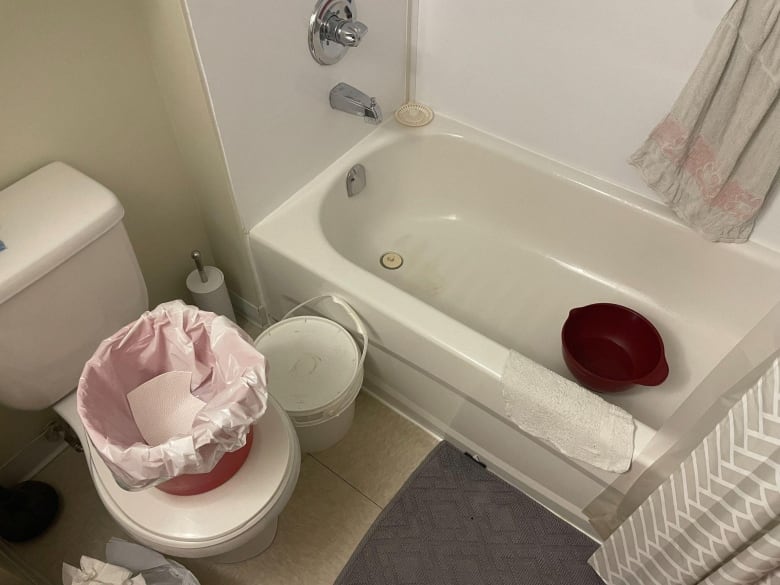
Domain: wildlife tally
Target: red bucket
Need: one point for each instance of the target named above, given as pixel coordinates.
(192, 484)
(610, 347)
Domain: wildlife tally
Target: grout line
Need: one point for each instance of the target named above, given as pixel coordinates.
(346, 481)
(370, 390)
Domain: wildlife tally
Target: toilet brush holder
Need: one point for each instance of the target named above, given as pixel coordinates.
(208, 290)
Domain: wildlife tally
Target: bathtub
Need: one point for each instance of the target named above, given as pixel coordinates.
(498, 244)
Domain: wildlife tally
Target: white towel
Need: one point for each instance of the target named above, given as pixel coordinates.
(574, 420)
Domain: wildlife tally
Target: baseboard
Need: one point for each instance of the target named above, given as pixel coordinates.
(33, 457)
(11, 563)
(253, 313)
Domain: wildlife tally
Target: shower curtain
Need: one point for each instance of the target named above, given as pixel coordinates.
(714, 158)
(714, 521)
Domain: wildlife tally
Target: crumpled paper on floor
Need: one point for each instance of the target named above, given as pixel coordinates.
(95, 572)
(123, 560)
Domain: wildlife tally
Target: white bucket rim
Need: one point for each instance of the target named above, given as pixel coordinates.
(332, 408)
(304, 415)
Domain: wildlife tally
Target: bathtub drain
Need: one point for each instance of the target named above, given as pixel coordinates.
(391, 260)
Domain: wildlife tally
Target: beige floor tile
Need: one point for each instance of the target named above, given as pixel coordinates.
(318, 531)
(7, 578)
(380, 451)
(83, 526)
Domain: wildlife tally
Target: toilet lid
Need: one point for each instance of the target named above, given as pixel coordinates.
(217, 515)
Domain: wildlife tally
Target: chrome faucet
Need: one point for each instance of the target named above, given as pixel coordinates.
(348, 99)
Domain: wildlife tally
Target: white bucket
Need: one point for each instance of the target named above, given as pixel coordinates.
(315, 370)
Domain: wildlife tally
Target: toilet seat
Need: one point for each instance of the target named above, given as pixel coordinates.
(223, 519)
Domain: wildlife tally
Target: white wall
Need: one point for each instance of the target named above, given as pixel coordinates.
(271, 98)
(78, 86)
(581, 82)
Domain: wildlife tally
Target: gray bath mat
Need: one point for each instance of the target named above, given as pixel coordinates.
(454, 523)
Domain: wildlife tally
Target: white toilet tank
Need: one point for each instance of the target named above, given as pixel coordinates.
(68, 279)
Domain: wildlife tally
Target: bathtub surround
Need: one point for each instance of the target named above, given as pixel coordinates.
(455, 522)
(715, 520)
(574, 420)
(715, 156)
(271, 98)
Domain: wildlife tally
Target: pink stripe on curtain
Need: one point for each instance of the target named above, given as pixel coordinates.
(715, 157)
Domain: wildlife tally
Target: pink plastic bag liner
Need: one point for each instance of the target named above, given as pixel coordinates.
(228, 374)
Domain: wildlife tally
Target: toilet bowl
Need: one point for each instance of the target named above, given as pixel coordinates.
(68, 279)
(230, 523)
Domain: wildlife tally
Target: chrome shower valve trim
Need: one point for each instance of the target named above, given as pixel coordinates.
(333, 28)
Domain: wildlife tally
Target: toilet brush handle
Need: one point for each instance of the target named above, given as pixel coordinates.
(199, 265)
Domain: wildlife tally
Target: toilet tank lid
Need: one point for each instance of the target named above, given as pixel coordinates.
(47, 217)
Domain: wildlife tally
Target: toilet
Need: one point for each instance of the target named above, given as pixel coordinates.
(68, 279)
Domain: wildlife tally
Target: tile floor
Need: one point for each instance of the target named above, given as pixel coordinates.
(339, 494)
(7, 578)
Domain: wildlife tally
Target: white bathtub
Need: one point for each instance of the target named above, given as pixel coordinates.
(498, 245)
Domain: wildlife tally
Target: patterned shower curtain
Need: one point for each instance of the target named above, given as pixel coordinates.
(715, 520)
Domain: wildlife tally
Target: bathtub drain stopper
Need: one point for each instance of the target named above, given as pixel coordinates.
(391, 260)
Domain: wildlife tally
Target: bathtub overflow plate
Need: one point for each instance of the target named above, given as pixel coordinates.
(391, 260)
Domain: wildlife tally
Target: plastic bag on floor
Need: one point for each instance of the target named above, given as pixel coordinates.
(95, 572)
(228, 375)
(151, 565)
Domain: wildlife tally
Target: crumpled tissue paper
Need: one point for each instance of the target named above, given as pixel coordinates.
(125, 559)
(95, 572)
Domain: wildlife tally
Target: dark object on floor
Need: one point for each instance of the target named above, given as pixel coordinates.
(27, 510)
(456, 523)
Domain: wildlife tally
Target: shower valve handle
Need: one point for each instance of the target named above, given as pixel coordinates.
(344, 32)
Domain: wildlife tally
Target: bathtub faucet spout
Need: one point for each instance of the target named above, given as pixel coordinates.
(348, 99)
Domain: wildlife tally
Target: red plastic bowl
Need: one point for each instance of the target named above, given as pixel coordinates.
(610, 347)
(192, 484)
